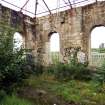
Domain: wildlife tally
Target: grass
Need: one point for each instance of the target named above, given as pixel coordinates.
(14, 100)
(83, 93)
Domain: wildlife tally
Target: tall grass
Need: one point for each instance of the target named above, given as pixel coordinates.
(14, 100)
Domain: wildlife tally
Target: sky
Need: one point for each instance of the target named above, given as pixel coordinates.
(52, 4)
(97, 36)
(54, 43)
(18, 40)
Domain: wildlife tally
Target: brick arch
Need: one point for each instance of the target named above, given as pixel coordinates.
(50, 34)
(18, 32)
(95, 26)
(46, 46)
(21, 34)
(98, 25)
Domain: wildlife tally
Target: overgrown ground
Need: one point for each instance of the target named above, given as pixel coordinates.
(14, 100)
(45, 90)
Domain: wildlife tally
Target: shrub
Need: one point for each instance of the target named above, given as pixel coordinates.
(63, 72)
(12, 64)
(33, 65)
(99, 74)
(67, 72)
(83, 73)
(2, 95)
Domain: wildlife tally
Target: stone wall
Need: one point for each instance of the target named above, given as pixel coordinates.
(93, 16)
(67, 24)
(74, 27)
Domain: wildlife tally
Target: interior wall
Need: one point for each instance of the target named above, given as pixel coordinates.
(74, 27)
(67, 24)
(93, 16)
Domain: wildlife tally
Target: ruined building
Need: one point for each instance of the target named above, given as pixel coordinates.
(74, 27)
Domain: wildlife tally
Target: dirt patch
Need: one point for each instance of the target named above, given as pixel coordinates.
(42, 97)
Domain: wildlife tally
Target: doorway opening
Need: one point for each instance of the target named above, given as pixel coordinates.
(54, 47)
(97, 46)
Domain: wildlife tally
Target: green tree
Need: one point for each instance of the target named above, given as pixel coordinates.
(12, 64)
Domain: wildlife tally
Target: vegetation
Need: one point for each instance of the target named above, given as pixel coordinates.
(75, 84)
(70, 72)
(72, 91)
(100, 50)
(14, 100)
(55, 57)
(13, 66)
(99, 75)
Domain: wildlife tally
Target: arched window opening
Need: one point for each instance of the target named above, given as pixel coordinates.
(17, 41)
(54, 43)
(54, 47)
(98, 45)
(98, 37)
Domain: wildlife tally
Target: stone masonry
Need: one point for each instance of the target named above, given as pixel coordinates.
(74, 27)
